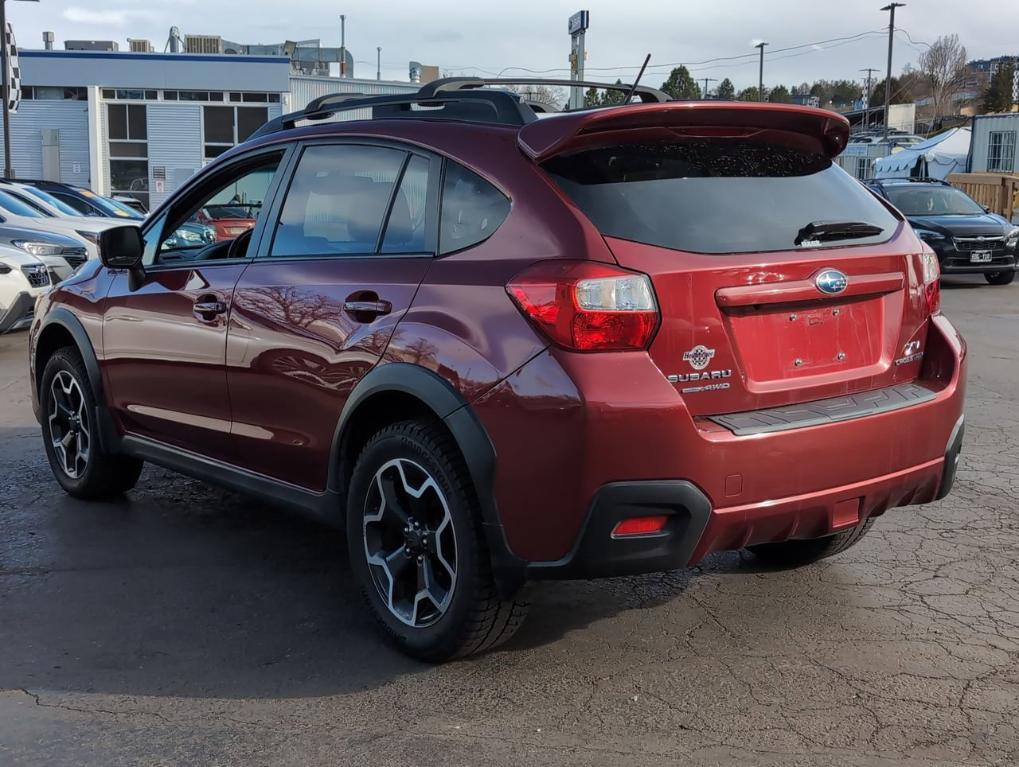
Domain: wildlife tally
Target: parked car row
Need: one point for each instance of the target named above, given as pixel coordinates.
(50, 229)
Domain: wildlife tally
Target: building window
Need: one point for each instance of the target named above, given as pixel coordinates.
(53, 93)
(1001, 151)
(862, 167)
(128, 150)
(225, 127)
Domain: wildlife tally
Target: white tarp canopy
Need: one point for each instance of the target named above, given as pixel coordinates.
(934, 158)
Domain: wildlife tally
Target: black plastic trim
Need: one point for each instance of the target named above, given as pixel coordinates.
(64, 318)
(472, 439)
(322, 505)
(825, 411)
(598, 555)
(952, 455)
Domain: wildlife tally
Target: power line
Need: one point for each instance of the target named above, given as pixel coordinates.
(833, 42)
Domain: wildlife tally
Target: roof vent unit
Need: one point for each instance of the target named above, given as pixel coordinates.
(207, 44)
(140, 46)
(91, 45)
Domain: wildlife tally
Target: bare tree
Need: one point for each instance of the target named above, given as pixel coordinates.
(542, 94)
(943, 71)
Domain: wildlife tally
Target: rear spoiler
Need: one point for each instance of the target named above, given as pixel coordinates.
(578, 130)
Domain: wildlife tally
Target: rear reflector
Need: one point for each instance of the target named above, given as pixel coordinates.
(640, 526)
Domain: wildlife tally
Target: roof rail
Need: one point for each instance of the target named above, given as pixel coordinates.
(491, 106)
(917, 179)
(451, 98)
(447, 84)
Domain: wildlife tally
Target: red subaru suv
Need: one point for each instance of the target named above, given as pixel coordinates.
(498, 347)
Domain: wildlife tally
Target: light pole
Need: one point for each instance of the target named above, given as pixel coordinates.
(706, 81)
(888, 77)
(760, 72)
(378, 62)
(5, 90)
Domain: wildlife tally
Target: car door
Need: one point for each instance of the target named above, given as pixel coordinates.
(165, 336)
(353, 239)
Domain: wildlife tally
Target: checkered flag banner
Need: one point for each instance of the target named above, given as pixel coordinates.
(13, 72)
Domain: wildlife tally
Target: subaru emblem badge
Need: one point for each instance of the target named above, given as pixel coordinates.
(831, 281)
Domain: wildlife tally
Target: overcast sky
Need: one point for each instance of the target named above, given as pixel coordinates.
(487, 37)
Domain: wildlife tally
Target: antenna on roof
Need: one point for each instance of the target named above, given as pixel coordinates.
(640, 74)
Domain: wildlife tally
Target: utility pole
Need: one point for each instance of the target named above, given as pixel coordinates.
(343, 45)
(760, 72)
(888, 78)
(378, 62)
(866, 115)
(706, 81)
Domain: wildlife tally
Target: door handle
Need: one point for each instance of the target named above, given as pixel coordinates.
(373, 308)
(212, 307)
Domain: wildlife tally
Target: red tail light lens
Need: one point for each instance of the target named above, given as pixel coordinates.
(930, 275)
(587, 306)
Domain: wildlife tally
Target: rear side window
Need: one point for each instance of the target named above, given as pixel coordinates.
(717, 196)
(406, 229)
(472, 209)
(338, 201)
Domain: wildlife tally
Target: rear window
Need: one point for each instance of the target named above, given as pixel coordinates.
(717, 196)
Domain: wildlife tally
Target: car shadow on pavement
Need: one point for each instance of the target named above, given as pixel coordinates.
(183, 589)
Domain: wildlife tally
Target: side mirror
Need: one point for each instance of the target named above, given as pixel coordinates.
(5, 269)
(121, 247)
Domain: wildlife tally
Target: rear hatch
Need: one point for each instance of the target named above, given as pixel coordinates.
(780, 278)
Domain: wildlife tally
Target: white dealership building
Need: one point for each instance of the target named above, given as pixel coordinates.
(142, 123)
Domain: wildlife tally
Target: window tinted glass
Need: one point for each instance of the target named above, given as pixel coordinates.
(17, 207)
(137, 123)
(219, 124)
(211, 222)
(932, 201)
(337, 201)
(724, 196)
(117, 118)
(250, 120)
(80, 206)
(406, 230)
(471, 209)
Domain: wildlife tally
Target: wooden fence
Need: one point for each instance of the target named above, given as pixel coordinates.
(997, 191)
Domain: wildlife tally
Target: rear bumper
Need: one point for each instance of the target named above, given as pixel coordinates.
(572, 465)
(695, 529)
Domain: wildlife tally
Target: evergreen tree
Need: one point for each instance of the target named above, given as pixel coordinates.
(999, 95)
(726, 90)
(681, 85)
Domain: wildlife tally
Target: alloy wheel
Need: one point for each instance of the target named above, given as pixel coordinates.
(409, 543)
(69, 424)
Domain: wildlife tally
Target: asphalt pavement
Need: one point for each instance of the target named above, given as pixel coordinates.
(188, 625)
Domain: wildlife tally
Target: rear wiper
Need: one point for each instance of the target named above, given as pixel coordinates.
(826, 231)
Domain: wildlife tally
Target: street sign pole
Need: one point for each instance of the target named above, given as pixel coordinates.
(577, 27)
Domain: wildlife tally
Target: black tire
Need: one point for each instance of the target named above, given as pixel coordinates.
(100, 475)
(1000, 278)
(794, 553)
(474, 617)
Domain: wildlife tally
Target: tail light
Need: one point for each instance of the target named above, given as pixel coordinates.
(587, 306)
(930, 275)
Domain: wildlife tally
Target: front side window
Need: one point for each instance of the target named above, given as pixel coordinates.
(216, 221)
(338, 201)
(720, 196)
(1001, 151)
